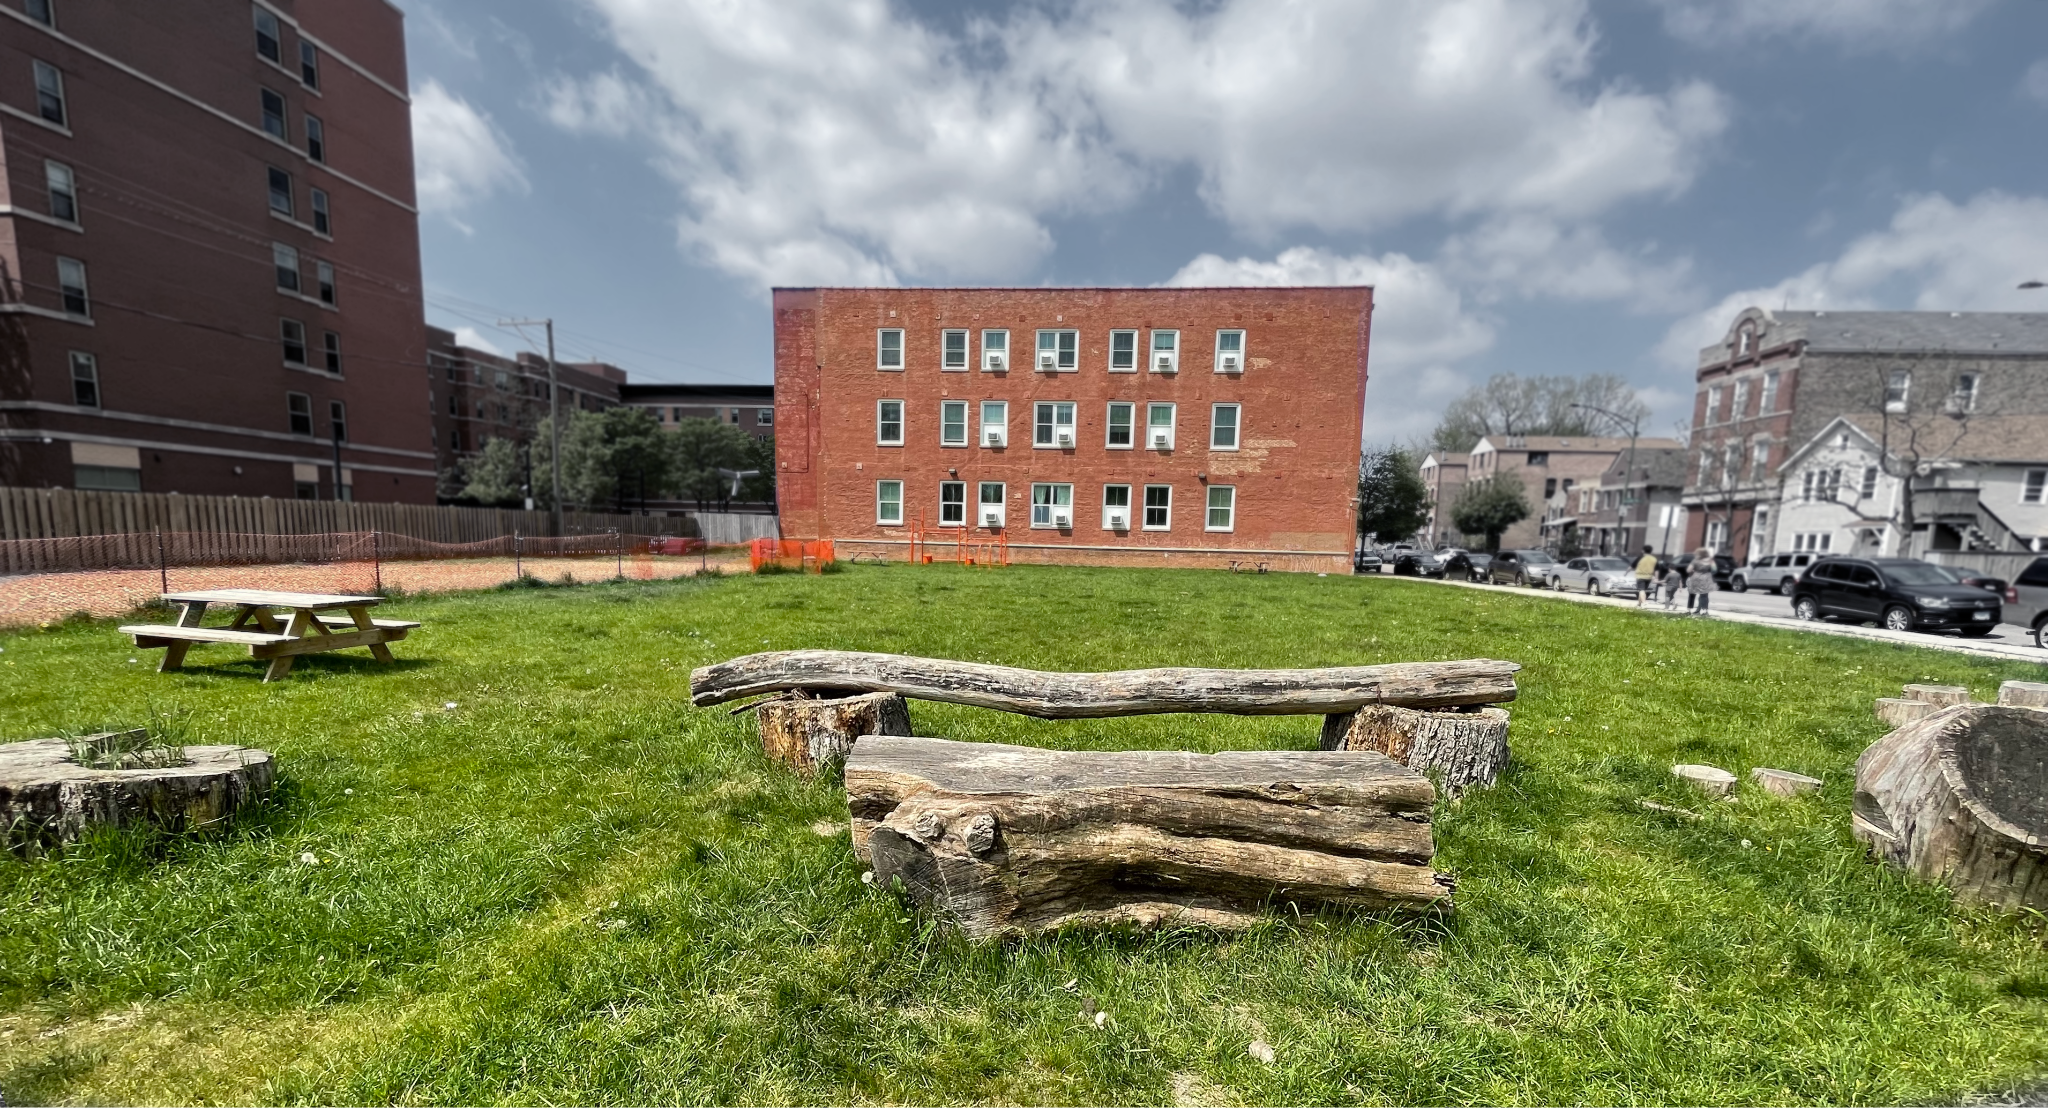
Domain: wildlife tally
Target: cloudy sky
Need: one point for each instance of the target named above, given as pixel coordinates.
(1537, 186)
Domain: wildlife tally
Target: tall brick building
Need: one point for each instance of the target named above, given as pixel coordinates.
(209, 251)
(1148, 426)
(476, 395)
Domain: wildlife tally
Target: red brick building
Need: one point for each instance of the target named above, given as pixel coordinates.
(209, 252)
(1148, 426)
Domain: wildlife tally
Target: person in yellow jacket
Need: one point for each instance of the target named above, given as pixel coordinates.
(1646, 572)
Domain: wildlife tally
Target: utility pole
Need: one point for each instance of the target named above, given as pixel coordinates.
(1628, 471)
(554, 413)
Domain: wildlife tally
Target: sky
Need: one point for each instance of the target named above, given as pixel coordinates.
(1532, 186)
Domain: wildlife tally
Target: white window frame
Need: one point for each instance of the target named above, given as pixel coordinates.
(285, 261)
(1122, 333)
(283, 133)
(1172, 350)
(882, 422)
(1145, 521)
(961, 488)
(1898, 390)
(1242, 362)
(1713, 404)
(330, 360)
(1768, 403)
(80, 360)
(1737, 407)
(298, 404)
(1236, 426)
(882, 349)
(1172, 423)
(1962, 398)
(946, 351)
(1066, 355)
(69, 266)
(324, 287)
(316, 137)
(55, 82)
(1229, 510)
(1002, 424)
(309, 65)
(2034, 487)
(1051, 492)
(1001, 348)
(1759, 460)
(882, 503)
(291, 188)
(953, 405)
(1108, 507)
(1053, 426)
(983, 505)
(42, 11)
(1130, 410)
(53, 172)
(285, 327)
(267, 28)
(323, 217)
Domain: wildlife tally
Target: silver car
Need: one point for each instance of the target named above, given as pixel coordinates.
(1598, 576)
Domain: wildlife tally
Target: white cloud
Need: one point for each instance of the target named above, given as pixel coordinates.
(1857, 24)
(1421, 327)
(1936, 256)
(2034, 84)
(475, 340)
(606, 104)
(1535, 257)
(459, 158)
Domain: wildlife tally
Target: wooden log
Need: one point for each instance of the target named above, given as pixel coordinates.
(812, 735)
(1943, 695)
(1009, 839)
(1961, 798)
(1457, 749)
(1899, 711)
(2023, 694)
(1783, 782)
(1128, 693)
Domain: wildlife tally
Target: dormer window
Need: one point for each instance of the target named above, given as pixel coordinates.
(1745, 341)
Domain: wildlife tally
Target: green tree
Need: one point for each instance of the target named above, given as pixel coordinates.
(610, 459)
(706, 454)
(1393, 503)
(497, 475)
(1490, 506)
(1511, 405)
(760, 457)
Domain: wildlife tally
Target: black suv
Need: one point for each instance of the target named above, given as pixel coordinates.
(1901, 594)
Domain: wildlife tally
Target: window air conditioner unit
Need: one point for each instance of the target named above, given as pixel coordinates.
(1230, 364)
(1045, 360)
(1062, 519)
(1066, 439)
(1161, 440)
(995, 362)
(1119, 522)
(992, 437)
(1165, 364)
(991, 519)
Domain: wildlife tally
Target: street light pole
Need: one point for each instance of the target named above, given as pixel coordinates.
(554, 414)
(1628, 472)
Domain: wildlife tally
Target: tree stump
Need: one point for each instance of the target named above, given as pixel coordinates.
(1010, 840)
(1899, 711)
(1783, 782)
(47, 798)
(2023, 694)
(813, 735)
(1712, 780)
(1943, 695)
(1961, 798)
(1459, 749)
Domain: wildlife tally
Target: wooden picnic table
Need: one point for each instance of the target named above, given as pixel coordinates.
(280, 639)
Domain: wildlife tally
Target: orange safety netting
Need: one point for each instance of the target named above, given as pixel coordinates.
(790, 554)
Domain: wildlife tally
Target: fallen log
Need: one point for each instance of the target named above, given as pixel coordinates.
(1961, 798)
(1458, 749)
(1249, 692)
(1010, 839)
(811, 734)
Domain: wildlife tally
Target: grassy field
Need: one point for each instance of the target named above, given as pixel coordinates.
(543, 877)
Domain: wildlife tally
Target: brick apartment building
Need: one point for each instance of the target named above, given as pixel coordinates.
(1443, 475)
(751, 408)
(476, 395)
(211, 252)
(1147, 426)
(1546, 465)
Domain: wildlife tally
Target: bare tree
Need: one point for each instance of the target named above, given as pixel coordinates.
(1510, 405)
(1920, 429)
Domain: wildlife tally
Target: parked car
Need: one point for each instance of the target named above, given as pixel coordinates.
(1467, 565)
(2026, 600)
(1724, 569)
(1366, 561)
(1420, 563)
(1521, 567)
(1598, 576)
(1977, 580)
(1900, 594)
(1773, 572)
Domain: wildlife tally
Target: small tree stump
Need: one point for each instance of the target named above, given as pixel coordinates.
(47, 798)
(1898, 711)
(1943, 695)
(1712, 780)
(1961, 798)
(1460, 749)
(2023, 694)
(1783, 782)
(813, 735)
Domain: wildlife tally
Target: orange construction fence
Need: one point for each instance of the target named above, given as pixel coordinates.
(790, 554)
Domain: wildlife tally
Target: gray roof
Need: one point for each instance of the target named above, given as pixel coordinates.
(1828, 332)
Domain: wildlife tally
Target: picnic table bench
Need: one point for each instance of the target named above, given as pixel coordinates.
(305, 631)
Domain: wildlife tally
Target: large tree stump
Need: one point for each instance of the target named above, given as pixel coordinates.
(47, 798)
(1011, 839)
(2023, 694)
(1459, 749)
(1961, 798)
(816, 734)
(1899, 711)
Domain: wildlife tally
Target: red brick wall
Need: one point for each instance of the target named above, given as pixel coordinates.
(1301, 398)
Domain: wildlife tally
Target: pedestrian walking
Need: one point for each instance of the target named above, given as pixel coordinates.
(1646, 575)
(1699, 582)
(1672, 581)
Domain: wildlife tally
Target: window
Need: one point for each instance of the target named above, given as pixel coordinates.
(995, 423)
(889, 503)
(952, 503)
(1549, 488)
(1053, 425)
(1223, 426)
(320, 220)
(1964, 398)
(993, 509)
(309, 64)
(50, 93)
(1740, 408)
(1812, 541)
(1867, 488)
(63, 192)
(1116, 507)
(1052, 506)
(1896, 388)
(995, 351)
(1713, 404)
(1743, 342)
(285, 261)
(280, 192)
(1165, 351)
(764, 417)
(1059, 351)
(300, 407)
(954, 347)
(107, 478)
(39, 10)
(1806, 485)
(294, 334)
(889, 348)
(889, 423)
(337, 420)
(316, 139)
(454, 443)
(85, 380)
(1769, 401)
(1230, 351)
(71, 286)
(454, 409)
(1158, 507)
(1120, 417)
(324, 273)
(273, 115)
(2037, 481)
(953, 423)
(1123, 352)
(1538, 458)
(266, 36)
(1759, 460)
(1159, 426)
(1222, 508)
(330, 344)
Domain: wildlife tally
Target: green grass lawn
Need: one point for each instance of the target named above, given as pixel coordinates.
(544, 877)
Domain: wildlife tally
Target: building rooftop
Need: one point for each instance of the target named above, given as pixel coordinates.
(637, 391)
(1559, 444)
(1830, 332)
